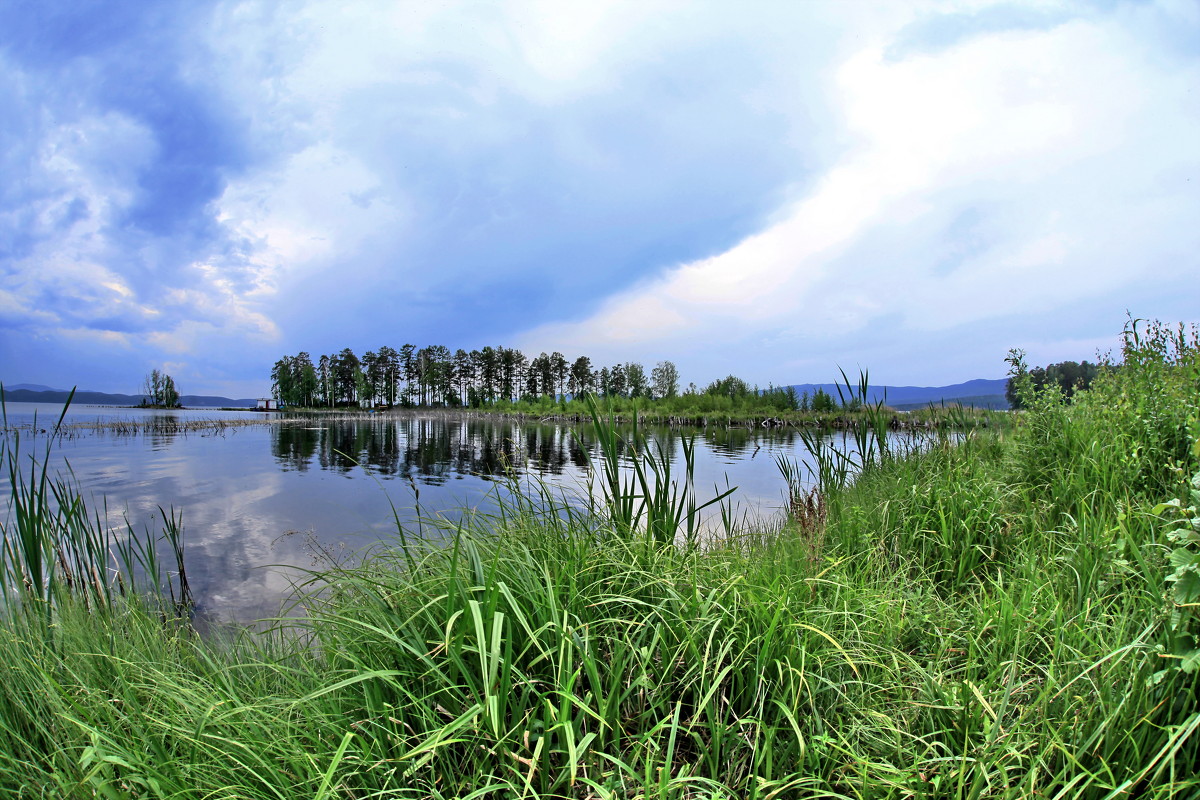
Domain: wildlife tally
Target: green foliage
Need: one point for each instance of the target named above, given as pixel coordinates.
(641, 494)
(160, 390)
(664, 379)
(730, 386)
(1183, 578)
(1066, 377)
(822, 401)
(1020, 385)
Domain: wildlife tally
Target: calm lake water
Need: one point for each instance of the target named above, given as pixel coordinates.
(259, 501)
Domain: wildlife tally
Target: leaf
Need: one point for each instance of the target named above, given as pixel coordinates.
(1187, 587)
(1183, 559)
(1184, 535)
(1191, 661)
(1161, 507)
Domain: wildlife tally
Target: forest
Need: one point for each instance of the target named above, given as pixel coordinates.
(434, 377)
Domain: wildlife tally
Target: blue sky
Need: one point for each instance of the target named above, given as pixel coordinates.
(770, 189)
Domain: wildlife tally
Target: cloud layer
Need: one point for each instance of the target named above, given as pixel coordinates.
(770, 192)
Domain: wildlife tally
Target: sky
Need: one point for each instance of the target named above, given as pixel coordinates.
(767, 189)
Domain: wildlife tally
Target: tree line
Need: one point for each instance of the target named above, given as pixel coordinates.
(434, 376)
(1067, 376)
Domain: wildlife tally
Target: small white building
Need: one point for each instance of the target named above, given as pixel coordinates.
(268, 404)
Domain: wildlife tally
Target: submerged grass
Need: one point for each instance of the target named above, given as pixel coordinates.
(983, 617)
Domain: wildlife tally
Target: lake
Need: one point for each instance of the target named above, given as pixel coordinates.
(260, 498)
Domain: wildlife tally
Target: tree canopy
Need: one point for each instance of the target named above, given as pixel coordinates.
(1067, 376)
(159, 389)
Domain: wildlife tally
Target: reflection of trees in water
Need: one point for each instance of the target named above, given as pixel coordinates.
(294, 447)
(548, 448)
(735, 442)
(163, 430)
(435, 451)
(430, 450)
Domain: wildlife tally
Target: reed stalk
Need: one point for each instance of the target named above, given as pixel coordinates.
(642, 490)
(55, 549)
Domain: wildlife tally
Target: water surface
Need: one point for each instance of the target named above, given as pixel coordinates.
(260, 501)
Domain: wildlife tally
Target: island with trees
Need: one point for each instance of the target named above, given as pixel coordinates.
(160, 392)
(505, 380)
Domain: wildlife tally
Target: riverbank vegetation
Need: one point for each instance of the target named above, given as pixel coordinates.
(504, 383)
(1000, 613)
(505, 380)
(1068, 376)
(707, 410)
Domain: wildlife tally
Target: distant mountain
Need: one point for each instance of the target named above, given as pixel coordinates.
(32, 387)
(214, 401)
(980, 393)
(21, 395)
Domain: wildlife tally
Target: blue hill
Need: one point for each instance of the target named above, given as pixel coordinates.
(981, 393)
(16, 395)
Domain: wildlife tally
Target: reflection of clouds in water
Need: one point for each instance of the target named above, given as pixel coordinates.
(230, 540)
(240, 519)
(241, 493)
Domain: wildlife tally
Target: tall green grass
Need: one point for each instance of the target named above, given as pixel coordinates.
(986, 616)
(706, 410)
(641, 489)
(54, 549)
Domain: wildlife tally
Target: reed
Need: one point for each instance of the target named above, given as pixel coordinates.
(55, 549)
(170, 425)
(640, 488)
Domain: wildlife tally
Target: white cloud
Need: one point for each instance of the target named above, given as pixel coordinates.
(83, 271)
(1075, 146)
(319, 204)
(932, 167)
(77, 185)
(347, 87)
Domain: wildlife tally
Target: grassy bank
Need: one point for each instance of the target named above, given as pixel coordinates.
(1003, 614)
(625, 411)
(664, 413)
